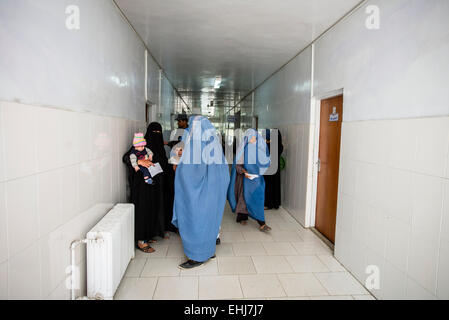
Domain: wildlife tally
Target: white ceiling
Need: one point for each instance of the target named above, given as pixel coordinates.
(244, 41)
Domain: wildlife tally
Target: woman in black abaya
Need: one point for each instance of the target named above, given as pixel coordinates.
(273, 182)
(155, 142)
(149, 203)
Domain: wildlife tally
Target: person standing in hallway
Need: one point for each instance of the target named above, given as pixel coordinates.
(156, 144)
(273, 182)
(246, 192)
(148, 203)
(201, 181)
(182, 125)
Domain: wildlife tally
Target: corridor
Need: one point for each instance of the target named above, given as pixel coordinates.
(289, 263)
(105, 106)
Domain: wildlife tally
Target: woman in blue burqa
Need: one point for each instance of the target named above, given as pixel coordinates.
(201, 182)
(246, 192)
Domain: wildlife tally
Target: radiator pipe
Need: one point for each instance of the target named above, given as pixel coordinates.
(73, 246)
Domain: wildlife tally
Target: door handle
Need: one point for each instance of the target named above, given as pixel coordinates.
(318, 163)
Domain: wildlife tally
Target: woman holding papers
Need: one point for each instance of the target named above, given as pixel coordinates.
(246, 192)
(155, 141)
(148, 199)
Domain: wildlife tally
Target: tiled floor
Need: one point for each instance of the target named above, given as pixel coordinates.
(288, 263)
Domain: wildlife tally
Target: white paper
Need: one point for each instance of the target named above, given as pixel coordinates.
(154, 171)
(252, 176)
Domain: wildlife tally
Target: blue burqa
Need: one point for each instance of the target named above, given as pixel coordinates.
(201, 181)
(255, 159)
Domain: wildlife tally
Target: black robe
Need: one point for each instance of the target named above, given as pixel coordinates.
(155, 142)
(273, 182)
(148, 201)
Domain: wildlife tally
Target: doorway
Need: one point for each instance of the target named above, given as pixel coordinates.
(331, 114)
(149, 117)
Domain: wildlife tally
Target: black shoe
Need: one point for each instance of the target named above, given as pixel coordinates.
(190, 264)
(218, 241)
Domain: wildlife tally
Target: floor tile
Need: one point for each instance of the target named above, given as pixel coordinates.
(252, 236)
(300, 285)
(135, 268)
(261, 286)
(306, 264)
(288, 263)
(224, 250)
(338, 298)
(231, 236)
(272, 264)
(273, 220)
(219, 287)
(249, 249)
(176, 288)
(285, 236)
(136, 289)
(304, 248)
(235, 265)
(308, 235)
(233, 226)
(279, 249)
(363, 297)
(175, 250)
(287, 226)
(331, 263)
(289, 298)
(161, 267)
(341, 283)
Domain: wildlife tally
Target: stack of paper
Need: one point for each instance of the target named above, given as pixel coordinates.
(155, 170)
(252, 176)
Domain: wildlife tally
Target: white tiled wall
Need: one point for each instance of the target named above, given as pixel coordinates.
(393, 210)
(77, 102)
(382, 69)
(64, 172)
(294, 177)
(283, 102)
(99, 68)
(393, 204)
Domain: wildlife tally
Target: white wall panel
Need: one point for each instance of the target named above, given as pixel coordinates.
(99, 68)
(283, 102)
(63, 200)
(3, 225)
(391, 73)
(395, 140)
(398, 221)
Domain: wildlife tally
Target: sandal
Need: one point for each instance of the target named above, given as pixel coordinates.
(265, 228)
(146, 248)
(167, 236)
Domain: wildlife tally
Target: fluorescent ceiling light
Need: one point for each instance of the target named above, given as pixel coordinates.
(217, 83)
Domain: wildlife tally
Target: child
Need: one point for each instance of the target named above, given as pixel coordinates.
(139, 152)
(176, 155)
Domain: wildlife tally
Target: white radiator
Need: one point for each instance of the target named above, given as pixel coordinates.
(110, 247)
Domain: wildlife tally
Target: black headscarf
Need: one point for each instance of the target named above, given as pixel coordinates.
(155, 142)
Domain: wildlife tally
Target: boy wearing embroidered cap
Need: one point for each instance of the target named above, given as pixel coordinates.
(139, 152)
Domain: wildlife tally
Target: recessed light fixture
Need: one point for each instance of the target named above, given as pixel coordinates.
(217, 83)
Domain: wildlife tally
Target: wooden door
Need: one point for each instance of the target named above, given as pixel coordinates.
(329, 163)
